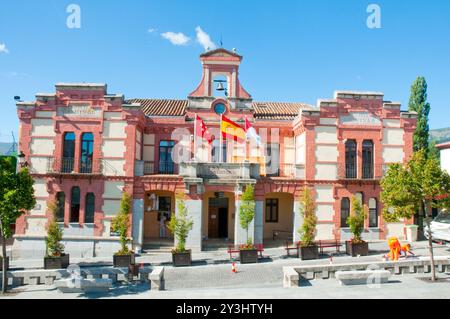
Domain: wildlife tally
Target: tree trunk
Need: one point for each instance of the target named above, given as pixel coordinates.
(430, 245)
(4, 271)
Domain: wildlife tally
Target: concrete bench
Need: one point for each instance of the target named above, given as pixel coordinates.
(157, 278)
(81, 285)
(362, 277)
(290, 277)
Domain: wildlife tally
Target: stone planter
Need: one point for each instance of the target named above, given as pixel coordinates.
(123, 261)
(61, 262)
(411, 233)
(1, 263)
(248, 256)
(182, 259)
(361, 249)
(309, 252)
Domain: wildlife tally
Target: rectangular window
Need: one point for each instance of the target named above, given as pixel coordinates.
(272, 210)
(373, 212)
(166, 164)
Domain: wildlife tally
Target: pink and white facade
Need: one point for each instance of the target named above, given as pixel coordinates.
(86, 146)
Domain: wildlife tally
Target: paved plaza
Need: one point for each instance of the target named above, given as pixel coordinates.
(211, 277)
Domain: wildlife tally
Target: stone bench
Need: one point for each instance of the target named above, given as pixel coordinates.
(362, 277)
(82, 285)
(157, 278)
(290, 277)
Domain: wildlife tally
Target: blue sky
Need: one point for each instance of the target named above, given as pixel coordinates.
(293, 50)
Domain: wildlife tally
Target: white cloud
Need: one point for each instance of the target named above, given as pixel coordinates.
(176, 38)
(204, 39)
(151, 30)
(3, 48)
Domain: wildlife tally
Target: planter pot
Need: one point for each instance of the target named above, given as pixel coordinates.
(1, 263)
(248, 256)
(182, 259)
(308, 253)
(361, 249)
(122, 261)
(61, 262)
(411, 233)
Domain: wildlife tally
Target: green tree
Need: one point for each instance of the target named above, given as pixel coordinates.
(417, 187)
(356, 219)
(433, 151)
(247, 210)
(307, 231)
(121, 223)
(418, 103)
(180, 224)
(16, 198)
(54, 247)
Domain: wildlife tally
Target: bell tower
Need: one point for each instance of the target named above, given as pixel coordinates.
(220, 79)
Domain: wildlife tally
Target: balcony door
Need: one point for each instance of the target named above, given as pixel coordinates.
(68, 158)
(87, 151)
(350, 159)
(367, 157)
(273, 160)
(166, 164)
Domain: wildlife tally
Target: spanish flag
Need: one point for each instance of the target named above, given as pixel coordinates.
(232, 130)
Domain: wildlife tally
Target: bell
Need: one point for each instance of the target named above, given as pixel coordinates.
(220, 86)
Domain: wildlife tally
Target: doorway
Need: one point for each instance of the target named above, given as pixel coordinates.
(218, 218)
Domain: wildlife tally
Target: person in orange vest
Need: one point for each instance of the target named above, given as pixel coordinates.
(406, 249)
(395, 248)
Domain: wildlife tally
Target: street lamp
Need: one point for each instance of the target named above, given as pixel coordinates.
(22, 162)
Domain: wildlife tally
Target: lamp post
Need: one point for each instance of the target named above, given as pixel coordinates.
(22, 162)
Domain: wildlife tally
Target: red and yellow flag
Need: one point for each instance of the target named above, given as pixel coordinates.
(232, 130)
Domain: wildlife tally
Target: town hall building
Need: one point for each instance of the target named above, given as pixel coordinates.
(85, 147)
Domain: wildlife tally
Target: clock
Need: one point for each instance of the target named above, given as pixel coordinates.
(220, 108)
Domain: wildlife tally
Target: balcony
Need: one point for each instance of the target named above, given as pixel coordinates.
(220, 172)
(284, 170)
(368, 172)
(150, 168)
(87, 167)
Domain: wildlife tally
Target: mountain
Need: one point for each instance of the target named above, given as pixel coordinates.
(5, 148)
(441, 135)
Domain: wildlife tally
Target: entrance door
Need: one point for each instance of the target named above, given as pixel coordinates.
(218, 218)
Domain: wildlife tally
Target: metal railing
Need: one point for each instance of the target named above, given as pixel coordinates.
(67, 166)
(284, 170)
(160, 168)
(350, 171)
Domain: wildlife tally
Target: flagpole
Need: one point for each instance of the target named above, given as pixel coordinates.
(195, 138)
(221, 141)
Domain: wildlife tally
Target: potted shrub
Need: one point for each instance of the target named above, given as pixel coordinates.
(121, 224)
(247, 253)
(356, 246)
(55, 258)
(180, 225)
(307, 247)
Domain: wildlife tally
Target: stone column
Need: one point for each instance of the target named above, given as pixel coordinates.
(138, 224)
(240, 234)
(298, 221)
(194, 209)
(259, 221)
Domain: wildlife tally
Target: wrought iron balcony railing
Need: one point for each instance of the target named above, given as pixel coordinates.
(160, 168)
(350, 171)
(67, 166)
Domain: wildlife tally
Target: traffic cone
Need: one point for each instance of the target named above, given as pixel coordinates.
(233, 268)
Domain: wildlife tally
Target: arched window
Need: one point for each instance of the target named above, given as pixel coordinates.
(68, 155)
(350, 159)
(75, 205)
(89, 209)
(60, 204)
(87, 151)
(373, 212)
(345, 211)
(367, 157)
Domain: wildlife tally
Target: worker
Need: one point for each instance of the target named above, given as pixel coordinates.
(406, 249)
(395, 248)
